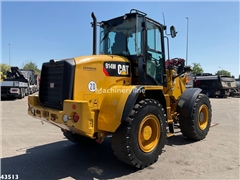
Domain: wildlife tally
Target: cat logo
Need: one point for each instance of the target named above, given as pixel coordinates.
(123, 69)
(117, 69)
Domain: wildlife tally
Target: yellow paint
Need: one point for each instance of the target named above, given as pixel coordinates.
(203, 117)
(174, 87)
(100, 110)
(83, 77)
(149, 133)
(112, 107)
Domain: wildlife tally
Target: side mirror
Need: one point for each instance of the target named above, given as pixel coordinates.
(173, 31)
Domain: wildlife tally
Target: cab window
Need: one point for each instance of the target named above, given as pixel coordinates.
(155, 64)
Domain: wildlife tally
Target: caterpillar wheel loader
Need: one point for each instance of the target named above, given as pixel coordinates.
(129, 92)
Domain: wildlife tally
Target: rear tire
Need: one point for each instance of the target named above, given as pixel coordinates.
(23, 92)
(21, 95)
(139, 140)
(198, 126)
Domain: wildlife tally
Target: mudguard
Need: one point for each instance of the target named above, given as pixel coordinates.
(131, 102)
(116, 107)
(186, 102)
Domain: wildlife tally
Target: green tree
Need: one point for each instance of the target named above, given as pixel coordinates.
(197, 69)
(32, 66)
(223, 72)
(4, 68)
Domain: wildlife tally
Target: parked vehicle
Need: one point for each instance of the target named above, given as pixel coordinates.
(215, 85)
(236, 91)
(14, 85)
(19, 83)
(238, 83)
(32, 80)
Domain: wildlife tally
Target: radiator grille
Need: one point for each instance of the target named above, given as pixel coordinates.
(56, 83)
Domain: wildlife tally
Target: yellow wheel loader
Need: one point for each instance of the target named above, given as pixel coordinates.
(129, 92)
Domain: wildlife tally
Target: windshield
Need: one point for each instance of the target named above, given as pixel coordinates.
(121, 36)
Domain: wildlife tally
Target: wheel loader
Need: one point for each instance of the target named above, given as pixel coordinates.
(130, 91)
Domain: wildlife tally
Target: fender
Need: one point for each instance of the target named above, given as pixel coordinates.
(117, 106)
(131, 101)
(186, 102)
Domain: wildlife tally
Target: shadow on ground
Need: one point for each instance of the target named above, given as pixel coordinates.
(178, 140)
(64, 159)
(8, 99)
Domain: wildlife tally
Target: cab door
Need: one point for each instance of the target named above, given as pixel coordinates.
(155, 59)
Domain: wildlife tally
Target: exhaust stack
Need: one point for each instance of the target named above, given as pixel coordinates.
(94, 24)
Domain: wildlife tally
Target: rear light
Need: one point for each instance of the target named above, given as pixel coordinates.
(75, 117)
(14, 90)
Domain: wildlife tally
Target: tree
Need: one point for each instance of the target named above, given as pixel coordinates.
(4, 68)
(32, 66)
(223, 72)
(197, 69)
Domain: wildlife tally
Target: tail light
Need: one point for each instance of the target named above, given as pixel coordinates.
(75, 117)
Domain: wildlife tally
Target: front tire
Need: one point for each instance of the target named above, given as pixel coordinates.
(198, 125)
(140, 139)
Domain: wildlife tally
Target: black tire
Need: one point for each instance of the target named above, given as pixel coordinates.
(23, 92)
(77, 139)
(198, 125)
(21, 95)
(28, 92)
(139, 140)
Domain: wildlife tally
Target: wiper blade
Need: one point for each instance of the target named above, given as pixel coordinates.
(108, 31)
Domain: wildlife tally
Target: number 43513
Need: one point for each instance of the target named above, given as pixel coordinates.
(9, 176)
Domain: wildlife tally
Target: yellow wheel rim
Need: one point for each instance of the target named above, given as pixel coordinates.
(149, 133)
(203, 117)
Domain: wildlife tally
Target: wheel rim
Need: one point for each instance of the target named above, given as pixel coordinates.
(149, 133)
(203, 117)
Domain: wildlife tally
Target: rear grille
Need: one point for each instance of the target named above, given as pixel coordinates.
(56, 83)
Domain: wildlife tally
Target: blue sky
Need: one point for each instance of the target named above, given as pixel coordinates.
(43, 30)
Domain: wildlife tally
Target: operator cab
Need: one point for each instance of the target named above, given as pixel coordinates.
(139, 39)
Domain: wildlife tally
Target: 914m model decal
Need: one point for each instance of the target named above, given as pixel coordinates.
(116, 69)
